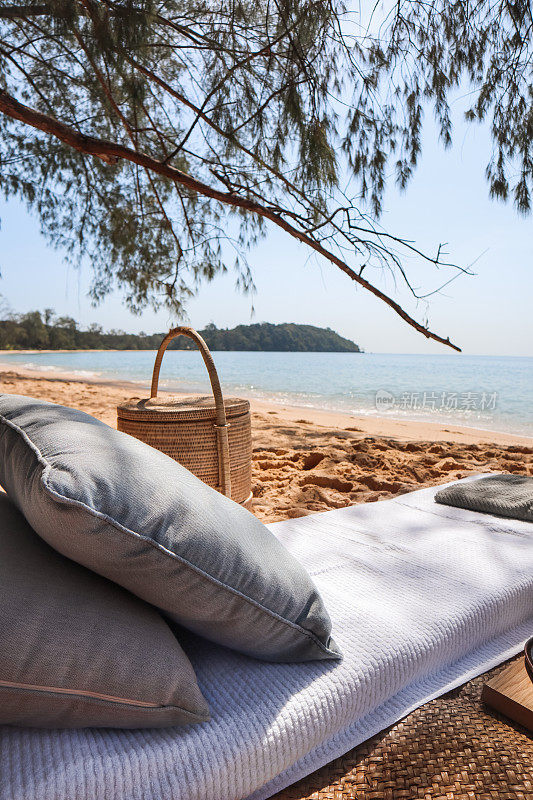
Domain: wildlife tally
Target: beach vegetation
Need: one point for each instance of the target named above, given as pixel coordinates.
(44, 331)
(159, 141)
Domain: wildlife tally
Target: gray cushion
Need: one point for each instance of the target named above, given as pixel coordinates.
(136, 516)
(503, 495)
(77, 650)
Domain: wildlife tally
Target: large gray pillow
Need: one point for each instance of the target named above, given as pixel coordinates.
(136, 516)
(77, 650)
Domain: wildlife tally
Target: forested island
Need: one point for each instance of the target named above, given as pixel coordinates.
(45, 331)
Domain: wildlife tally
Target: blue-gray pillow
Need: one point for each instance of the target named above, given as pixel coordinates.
(139, 518)
(79, 651)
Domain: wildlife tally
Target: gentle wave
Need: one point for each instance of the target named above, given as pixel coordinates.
(492, 393)
(52, 368)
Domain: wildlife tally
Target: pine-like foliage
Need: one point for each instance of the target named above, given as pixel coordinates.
(270, 107)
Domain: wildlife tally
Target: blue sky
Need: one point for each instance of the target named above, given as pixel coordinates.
(447, 201)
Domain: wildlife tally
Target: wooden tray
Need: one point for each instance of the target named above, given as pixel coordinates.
(511, 693)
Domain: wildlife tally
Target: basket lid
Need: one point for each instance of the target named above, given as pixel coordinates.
(172, 408)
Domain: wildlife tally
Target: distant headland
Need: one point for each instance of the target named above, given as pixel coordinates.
(37, 331)
(286, 337)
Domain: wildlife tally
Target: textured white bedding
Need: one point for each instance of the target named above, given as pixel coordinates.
(423, 597)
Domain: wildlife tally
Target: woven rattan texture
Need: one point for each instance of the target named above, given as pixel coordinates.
(169, 408)
(210, 436)
(193, 443)
(453, 748)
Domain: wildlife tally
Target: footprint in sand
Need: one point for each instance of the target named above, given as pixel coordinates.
(379, 485)
(312, 460)
(327, 482)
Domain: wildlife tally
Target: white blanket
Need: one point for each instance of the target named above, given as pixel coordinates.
(423, 597)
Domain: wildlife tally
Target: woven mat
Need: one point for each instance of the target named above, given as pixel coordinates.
(453, 748)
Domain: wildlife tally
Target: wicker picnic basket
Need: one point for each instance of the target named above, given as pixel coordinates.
(210, 436)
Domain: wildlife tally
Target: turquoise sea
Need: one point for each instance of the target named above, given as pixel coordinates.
(494, 393)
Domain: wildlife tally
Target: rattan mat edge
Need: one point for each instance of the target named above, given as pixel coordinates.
(452, 748)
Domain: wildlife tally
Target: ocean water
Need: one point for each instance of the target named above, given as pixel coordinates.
(493, 393)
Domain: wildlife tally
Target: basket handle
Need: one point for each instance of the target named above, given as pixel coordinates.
(221, 425)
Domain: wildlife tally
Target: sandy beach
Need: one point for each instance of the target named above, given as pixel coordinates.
(308, 460)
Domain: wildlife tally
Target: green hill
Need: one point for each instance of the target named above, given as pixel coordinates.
(287, 337)
(36, 331)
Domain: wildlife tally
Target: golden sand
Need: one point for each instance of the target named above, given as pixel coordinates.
(307, 460)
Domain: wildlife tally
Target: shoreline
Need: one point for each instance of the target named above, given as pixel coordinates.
(311, 460)
(369, 425)
(408, 424)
